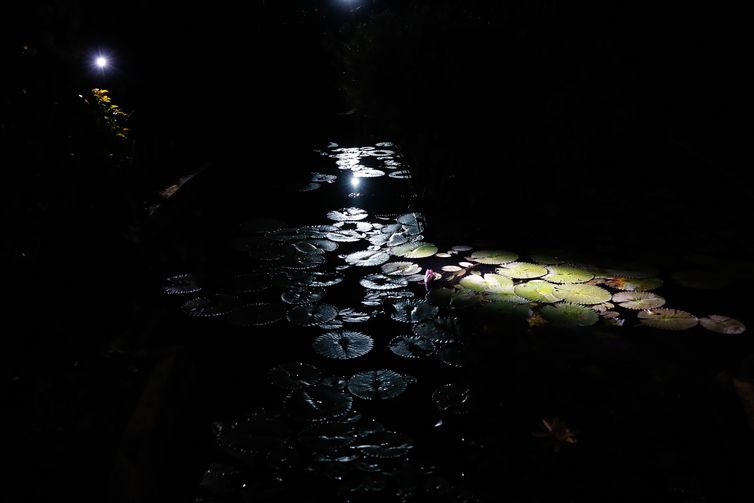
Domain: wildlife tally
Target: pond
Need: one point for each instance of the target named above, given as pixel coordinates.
(348, 352)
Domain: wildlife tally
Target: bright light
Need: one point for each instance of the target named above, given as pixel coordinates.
(101, 62)
(355, 181)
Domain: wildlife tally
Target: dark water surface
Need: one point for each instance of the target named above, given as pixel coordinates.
(439, 388)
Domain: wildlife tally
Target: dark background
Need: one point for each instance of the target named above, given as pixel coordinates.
(636, 113)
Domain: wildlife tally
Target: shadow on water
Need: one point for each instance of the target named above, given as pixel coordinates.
(346, 347)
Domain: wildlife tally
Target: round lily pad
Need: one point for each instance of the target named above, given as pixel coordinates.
(401, 268)
(582, 294)
(302, 295)
(347, 214)
(569, 315)
(402, 174)
(489, 283)
(383, 282)
(343, 344)
(495, 257)
(413, 311)
(415, 250)
(522, 270)
(722, 324)
(367, 258)
(638, 300)
(180, 284)
(568, 274)
(667, 319)
(210, 306)
(537, 291)
(411, 346)
(311, 314)
(378, 384)
(318, 279)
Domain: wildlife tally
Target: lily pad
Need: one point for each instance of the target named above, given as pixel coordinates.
(402, 174)
(415, 250)
(293, 376)
(318, 279)
(667, 319)
(256, 315)
(569, 315)
(311, 314)
(180, 284)
(494, 257)
(347, 214)
(378, 384)
(440, 330)
(317, 403)
(582, 294)
(537, 291)
(368, 173)
(366, 258)
(522, 270)
(489, 283)
(343, 345)
(413, 311)
(638, 300)
(411, 346)
(453, 398)
(634, 285)
(722, 324)
(382, 282)
(345, 236)
(349, 315)
(568, 274)
(210, 306)
(401, 268)
(302, 295)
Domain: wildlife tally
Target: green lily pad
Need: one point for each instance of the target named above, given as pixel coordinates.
(415, 250)
(667, 319)
(582, 294)
(401, 268)
(489, 283)
(495, 257)
(569, 315)
(568, 274)
(722, 324)
(638, 300)
(522, 270)
(537, 291)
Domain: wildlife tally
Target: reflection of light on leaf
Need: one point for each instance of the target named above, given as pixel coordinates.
(367, 258)
(568, 274)
(537, 291)
(311, 314)
(494, 257)
(582, 294)
(489, 283)
(522, 270)
(401, 269)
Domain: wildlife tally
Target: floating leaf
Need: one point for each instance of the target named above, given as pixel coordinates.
(415, 250)
(455, 355)
(411, 346)
(323, 178)
(634, 285)
(452, 268)
(582, 294)
(489, 283)
(522, 270)
(570, 315)
(377, 297)
(301, 261)
(349, 315)
(568, 274)
(638, 300)
(256, 315)
(180, 284)
(318, 246)
(537, 291)
(667, 319)
(454, 398)
(318, 279)
(367, 258)
(381, 384)
(462, 248)
(413, 311)
(317, 403)
(312, 314)
(210, 306)
(294, 376)
(383, 445)
(722, 324)
(440, 330)
(495, 257)
(382, 282)
(345, 236)
(401, 268)
(347, 214)
(456, 299)
(343, 344)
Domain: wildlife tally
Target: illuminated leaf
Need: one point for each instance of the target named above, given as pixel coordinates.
(667, 319)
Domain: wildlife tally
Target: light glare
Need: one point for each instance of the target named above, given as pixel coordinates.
(355, 181)
(101, 62)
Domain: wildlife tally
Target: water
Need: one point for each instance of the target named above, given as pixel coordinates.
(346, 354)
